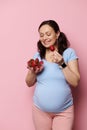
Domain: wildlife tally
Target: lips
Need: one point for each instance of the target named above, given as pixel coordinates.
(46, 42)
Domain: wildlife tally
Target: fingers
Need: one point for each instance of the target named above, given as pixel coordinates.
(30, 68)
(36, 69)
(57, 54)
(35, 65)
(57, 58)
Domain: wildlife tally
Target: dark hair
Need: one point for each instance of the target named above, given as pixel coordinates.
(63, 42)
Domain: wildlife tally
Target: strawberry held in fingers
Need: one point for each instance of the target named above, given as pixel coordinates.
(36, 61)
(40, 64)
(31, 63)
(52, 48)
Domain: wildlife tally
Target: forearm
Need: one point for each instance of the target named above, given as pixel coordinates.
(71, 77)
(30, 78)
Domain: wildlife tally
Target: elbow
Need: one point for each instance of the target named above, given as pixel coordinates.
(28, 83)
(78, 80)
(75, 84)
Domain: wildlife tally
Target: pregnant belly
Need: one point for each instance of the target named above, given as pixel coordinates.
(52, 99)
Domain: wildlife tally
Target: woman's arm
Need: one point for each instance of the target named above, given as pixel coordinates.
(30, 78)
(71, 73)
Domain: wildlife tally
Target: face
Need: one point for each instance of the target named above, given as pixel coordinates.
(48, 36)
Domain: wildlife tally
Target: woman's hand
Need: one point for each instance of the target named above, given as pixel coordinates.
(71, 72)
(57, 58)
(36, 70)
(35, 66)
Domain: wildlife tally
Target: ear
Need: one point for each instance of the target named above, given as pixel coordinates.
(58, 33)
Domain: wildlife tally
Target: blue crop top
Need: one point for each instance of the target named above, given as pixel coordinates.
(52, 92)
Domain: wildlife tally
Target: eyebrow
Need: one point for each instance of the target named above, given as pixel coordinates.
(45, 32)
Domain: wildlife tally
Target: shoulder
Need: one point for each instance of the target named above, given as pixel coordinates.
(69, 50)
(36, 55)
(70, 54)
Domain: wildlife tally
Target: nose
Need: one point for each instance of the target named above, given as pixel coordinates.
(44, 37)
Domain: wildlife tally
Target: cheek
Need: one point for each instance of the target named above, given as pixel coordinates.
(54, 38)
(41, 39)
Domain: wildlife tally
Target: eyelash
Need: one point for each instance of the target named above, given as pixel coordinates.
(46, 34)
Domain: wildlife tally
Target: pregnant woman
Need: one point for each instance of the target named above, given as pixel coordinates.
(53, 107)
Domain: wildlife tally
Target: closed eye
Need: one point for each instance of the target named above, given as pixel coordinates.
(41, 35)
(48, 34)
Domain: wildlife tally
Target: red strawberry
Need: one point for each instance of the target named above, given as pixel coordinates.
(52, 48)
(40, 64)
(33, 63)
(36, 61)
(30, 62)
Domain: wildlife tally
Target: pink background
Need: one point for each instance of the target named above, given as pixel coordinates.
(19, 21)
